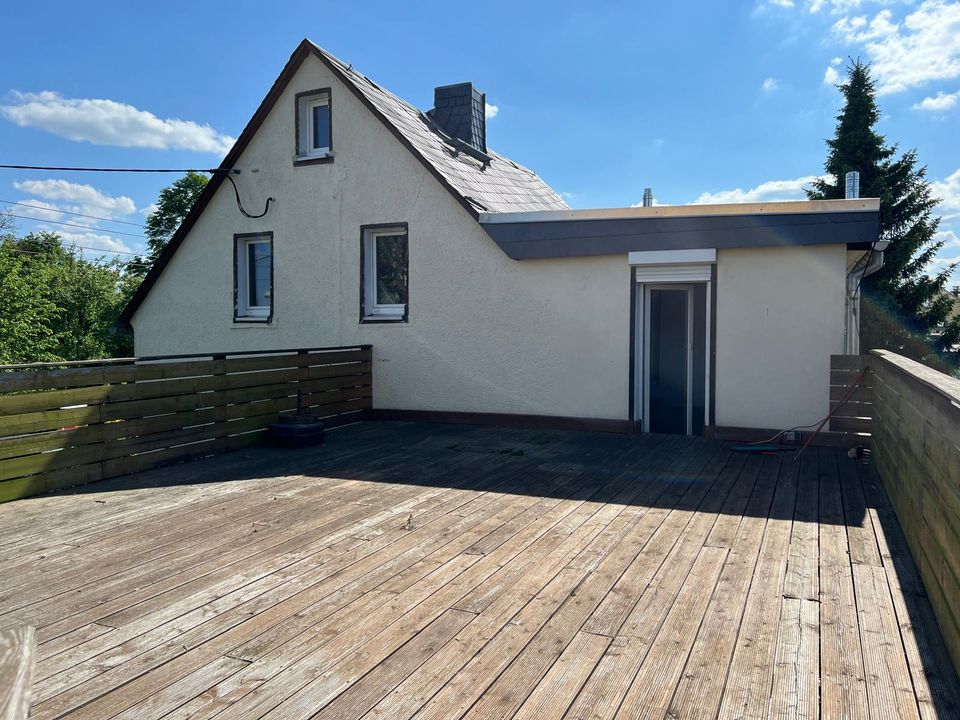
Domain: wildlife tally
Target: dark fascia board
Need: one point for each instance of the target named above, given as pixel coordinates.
(530, 240)
(304, 49)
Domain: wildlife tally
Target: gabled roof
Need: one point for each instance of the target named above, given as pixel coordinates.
(500, 185)
(497, 185)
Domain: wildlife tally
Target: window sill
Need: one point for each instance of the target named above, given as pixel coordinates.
(313, 159)
(383, 320)
(252, 322)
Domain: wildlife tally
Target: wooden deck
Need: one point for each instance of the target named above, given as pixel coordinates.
(434, 571)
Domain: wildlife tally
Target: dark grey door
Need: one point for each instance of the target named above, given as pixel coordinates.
(668, 360)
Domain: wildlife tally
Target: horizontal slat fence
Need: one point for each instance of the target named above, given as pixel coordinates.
(917, 454)
(856, 414)
(75, 423)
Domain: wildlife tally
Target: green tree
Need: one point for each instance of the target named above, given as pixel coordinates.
(27, 314)
(173, 205)
(58, 305)
(904, 308)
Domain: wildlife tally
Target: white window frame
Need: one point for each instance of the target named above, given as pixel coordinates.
(244, 310)
(305, 148)
(373, 310)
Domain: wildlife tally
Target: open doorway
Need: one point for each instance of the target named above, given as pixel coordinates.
(671, 359)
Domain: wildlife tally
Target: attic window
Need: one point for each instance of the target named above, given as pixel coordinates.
(314, 126)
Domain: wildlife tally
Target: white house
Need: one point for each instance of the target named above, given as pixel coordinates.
(482, 294)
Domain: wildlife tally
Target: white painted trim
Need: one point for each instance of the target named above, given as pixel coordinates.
(706, 357)
(672, 257)
(640, 384)
(690, 360)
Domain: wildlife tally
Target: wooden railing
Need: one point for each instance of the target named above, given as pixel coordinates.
(852, 407)
(916, 450)
(75, 423)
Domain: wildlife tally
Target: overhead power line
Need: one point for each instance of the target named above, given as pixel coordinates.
(76, 225)
(231, 171)
(68, 212)
(78, 247)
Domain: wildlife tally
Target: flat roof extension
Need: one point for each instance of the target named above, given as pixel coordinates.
(615, 231)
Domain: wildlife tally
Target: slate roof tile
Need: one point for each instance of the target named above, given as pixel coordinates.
(499, 185)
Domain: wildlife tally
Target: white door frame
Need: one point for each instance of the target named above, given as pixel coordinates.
(645, 357)
(670, 269)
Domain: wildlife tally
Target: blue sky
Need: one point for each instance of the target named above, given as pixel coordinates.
(703, 101)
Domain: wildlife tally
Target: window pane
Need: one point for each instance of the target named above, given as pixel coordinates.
(259, 260)
(391, 269)
(321, 126)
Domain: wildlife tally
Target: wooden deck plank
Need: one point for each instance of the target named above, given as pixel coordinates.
(439, 571)
(652, 687)
(796, 675)
(206, 650)
(750, 677)
(889, 686)
(699, 692)
(16, 672)
(511, 594)
(559, 687)
(350, 656)
(301, 592)
(843, 683)
(606, 688)
(510, 689)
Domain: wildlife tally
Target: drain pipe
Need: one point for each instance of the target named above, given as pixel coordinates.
(866, 265)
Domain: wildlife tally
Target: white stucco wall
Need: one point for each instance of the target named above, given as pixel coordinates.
(780, 315)
(486, 333)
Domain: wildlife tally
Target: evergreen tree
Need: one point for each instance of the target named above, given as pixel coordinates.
(903, 308)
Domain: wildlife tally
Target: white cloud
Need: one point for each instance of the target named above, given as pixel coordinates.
(837, 7)
(949, 237)
(149, 209)
(82, 198)
(770, 191)
(940, 262)
(924, 47)
(948, 191)
(939, 103)
(770, 84)
(860, 29)
(39, 210)
(108, 122)
(490, 111)
(830, 75)
(94, 240)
